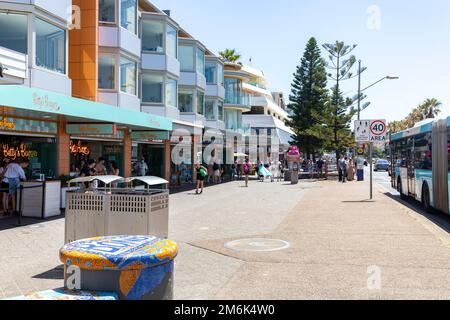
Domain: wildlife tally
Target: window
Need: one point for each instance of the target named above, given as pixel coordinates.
(128, 15)
(209, 110)
(152, 36)
(171, 93)
(186, 58)
(423, 152)
(233, 119)
(171, 41)
(14, 32)
(127, 76)
(200, 102)
(106, 71)
(220, 110)
(185, 100)
(50, 46)
(220, 74)
(200, 61)
(210, 72)
(152, 88)
(107, 11)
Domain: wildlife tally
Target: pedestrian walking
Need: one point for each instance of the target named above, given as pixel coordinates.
(202, 172)
(216, 169)
(343, 166)
(246, 171)
(320, 164)
(234, 171)
(4, 186)
(351, 170)
(14, 174)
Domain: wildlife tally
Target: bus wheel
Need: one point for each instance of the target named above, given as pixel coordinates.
(399, 189)
(426, 199)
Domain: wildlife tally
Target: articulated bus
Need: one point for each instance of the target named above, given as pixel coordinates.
(420, 160)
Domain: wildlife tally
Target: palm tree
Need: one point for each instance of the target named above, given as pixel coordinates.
(430, 108)
(230, 55)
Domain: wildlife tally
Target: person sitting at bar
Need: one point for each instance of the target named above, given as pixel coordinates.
(88, 170)
(14, 174)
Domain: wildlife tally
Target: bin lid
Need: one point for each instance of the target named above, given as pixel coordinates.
(104, 179)
(149, 180)
(118, 253)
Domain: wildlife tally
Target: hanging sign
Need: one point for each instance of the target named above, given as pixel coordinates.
(91, 128)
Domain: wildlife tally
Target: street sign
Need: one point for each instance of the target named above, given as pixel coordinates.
(362, 131)
(370, 131)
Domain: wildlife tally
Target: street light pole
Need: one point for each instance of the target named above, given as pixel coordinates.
(359, 90)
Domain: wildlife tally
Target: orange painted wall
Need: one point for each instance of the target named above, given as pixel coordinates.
(63, 142)
(127, 145)
(167, 159)
(83, 52)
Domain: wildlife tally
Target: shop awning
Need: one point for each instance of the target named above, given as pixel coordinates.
(18, 100)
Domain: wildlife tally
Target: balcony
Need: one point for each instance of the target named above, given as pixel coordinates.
(161, 62)
(238, 101)
(14, 66)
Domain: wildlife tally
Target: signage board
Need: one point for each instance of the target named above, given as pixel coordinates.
(150, 135)
(370, 131)
(91, 128)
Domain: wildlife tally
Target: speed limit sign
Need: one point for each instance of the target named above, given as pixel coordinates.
(378, 130)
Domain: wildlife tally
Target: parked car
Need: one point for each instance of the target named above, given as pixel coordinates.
(382, 165)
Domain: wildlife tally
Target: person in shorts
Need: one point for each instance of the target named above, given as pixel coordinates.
(202, 172)
(4, 185)
(14, 174)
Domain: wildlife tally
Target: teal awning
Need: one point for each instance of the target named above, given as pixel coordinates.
(41, 102)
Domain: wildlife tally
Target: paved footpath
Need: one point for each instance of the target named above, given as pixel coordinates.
(337, 239)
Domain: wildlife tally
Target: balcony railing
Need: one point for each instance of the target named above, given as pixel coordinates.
(240, 99)
(14, 63)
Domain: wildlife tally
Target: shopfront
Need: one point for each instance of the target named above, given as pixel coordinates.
(149, 147)
(30, 140)
(109, 147)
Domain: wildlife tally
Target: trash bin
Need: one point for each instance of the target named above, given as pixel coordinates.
(134, 267)
(294, 175)
(108, 211)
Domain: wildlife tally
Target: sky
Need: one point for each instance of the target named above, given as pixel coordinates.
(407, 38)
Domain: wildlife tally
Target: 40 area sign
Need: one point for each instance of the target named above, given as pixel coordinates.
(370, 131)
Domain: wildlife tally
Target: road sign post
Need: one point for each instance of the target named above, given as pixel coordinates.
(370, 131)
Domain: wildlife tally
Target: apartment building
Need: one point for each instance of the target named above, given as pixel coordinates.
(53, 113)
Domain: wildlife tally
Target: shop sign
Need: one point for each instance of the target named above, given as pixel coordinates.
(79, 149)
(21, 151)
(91, 128)
(6, 124)
(150, 135)
(43, 101)
(112, 149)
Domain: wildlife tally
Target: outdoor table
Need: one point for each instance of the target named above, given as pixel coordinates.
(135, 267)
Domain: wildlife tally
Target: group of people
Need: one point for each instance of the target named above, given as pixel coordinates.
(11, 174)
(319, 167)
(346, 167)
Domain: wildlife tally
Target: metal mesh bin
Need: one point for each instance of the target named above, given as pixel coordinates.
(108, 211)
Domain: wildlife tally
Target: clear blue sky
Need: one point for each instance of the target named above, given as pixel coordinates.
(413, 42)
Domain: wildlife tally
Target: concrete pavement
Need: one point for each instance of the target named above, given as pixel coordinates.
(338, 243)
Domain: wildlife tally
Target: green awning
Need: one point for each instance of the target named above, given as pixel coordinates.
(40, 102)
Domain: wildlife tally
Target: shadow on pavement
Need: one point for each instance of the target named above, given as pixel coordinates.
(53, 274)
(360, 201)
(438, 218)
(13, 222)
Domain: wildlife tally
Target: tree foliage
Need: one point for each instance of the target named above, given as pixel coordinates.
(308, 97)
(429, 109)
(230, 55)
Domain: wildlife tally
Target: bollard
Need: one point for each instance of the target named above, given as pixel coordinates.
(135, 267)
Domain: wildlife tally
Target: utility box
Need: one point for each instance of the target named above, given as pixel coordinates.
(107, 211)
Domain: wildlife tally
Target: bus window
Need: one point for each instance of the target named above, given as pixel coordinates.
(423, 152)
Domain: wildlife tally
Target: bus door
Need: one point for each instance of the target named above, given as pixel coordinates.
(411, 174)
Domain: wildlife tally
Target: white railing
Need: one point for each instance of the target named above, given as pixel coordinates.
(14, 63)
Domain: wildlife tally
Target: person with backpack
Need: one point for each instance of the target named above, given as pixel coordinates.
(246, 171)
(202, 172)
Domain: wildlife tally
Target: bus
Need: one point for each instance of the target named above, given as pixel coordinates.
(420, 164)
